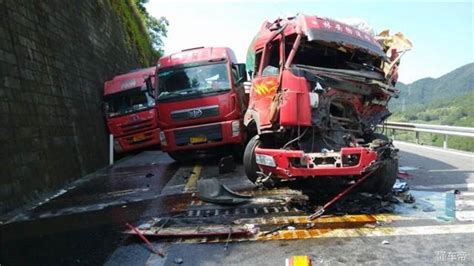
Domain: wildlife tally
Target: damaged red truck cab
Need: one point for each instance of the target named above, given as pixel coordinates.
(130, 110)
(200, 101)
(320, 88)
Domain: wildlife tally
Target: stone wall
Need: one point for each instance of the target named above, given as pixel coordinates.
(54, 58)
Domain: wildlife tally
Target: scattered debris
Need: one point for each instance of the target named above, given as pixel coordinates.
(407, 198)
(149, 175)
(144, 226)
(403, 175)
(210, 190)
(226, 164)
(178, 260)
(195, 231)
(457, 192)
(150, 246)
(400, 186)
(385, 242)
(403, 171)
(276, 229)
(320, 211)
(371, 225)
(228, 239)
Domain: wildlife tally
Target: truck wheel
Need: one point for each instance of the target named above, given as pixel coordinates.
(182, 157)
(250, 164)
(383, 179)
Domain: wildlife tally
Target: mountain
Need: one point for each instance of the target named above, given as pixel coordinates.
(424, 91)
(447, 100)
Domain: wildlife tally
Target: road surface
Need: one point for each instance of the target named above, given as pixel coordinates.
(83, 223)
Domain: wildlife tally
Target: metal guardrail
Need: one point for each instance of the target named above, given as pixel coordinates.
(426, 128)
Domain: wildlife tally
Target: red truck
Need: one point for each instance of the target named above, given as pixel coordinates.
(130, 110)
(319, 90)
(200, 101)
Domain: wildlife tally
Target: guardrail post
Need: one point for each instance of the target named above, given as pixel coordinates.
(417, 136)
(445, 142)
(111, 149)
(393, 134)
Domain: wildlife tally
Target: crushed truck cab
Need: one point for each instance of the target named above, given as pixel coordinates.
(201, 101)
(319, 89)
(130, 110)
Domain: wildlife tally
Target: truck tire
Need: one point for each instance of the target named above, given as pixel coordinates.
(182, 156)
(250, 164)
(383, 179)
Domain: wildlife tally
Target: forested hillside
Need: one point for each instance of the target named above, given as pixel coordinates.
(424, 91)
(448, 100)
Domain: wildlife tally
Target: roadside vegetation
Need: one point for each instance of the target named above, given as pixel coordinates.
(458, 111)
(143, 32)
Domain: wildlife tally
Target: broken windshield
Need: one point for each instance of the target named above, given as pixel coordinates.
(192, 80)
(129, 101)
(334, 56)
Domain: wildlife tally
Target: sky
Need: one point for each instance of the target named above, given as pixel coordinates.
(441, 32)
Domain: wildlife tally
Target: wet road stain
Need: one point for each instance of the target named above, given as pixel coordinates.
(76, 233)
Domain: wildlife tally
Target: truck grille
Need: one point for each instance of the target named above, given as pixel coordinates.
(193, 113)
(212, 133)
(136, 126)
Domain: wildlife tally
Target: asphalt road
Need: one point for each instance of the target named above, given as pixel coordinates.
(83, 223)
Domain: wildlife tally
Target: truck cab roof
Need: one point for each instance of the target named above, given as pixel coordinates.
(132, 79)
(198, 54)
(317, 28)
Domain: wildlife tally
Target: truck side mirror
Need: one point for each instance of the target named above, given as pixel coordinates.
(149, 87)
(241, 73)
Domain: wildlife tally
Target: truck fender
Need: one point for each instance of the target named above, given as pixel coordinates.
(252, 116)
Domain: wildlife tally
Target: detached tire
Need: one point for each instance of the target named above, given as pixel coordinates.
(383, 179)
(250, 163)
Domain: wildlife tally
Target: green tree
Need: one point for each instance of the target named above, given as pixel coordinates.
(157, 28)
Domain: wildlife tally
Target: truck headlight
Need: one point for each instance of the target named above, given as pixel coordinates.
(163, 138)
(235, 128)
(266, 160)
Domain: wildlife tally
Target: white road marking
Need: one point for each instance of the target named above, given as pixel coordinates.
(445, 186)
(446, 171)
(464, 201)
(465, 215)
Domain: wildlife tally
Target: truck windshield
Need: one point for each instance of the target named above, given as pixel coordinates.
(129, 101)
(335, 56)
(192, 80)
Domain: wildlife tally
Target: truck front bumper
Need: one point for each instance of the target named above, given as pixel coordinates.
(137, 141)
(205, 136)
(289, 164)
